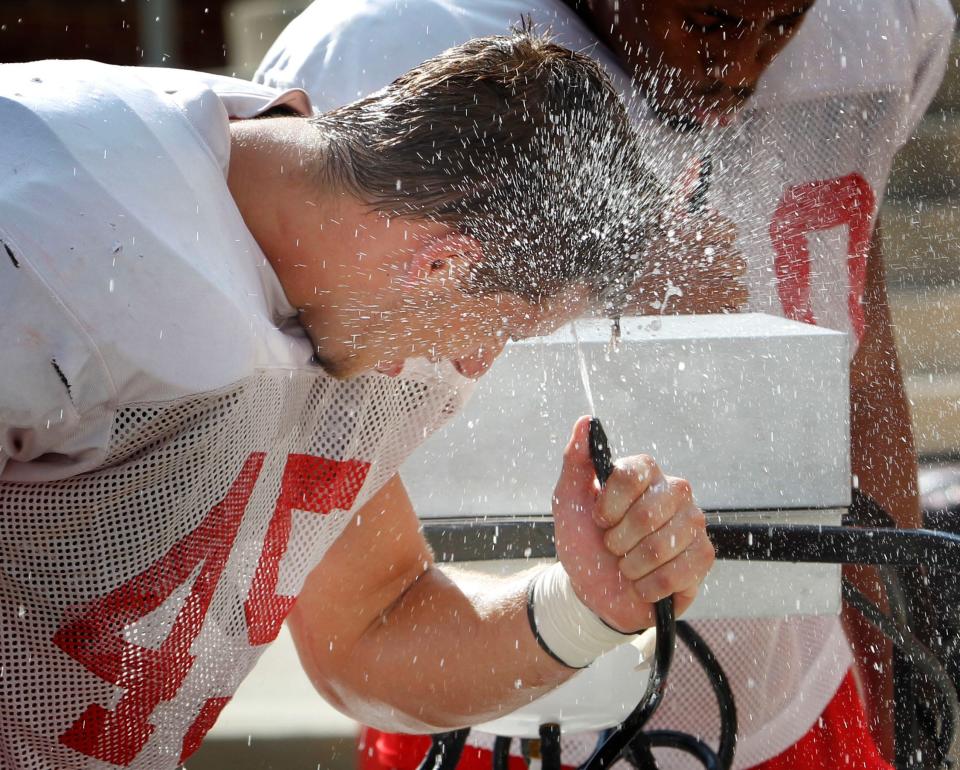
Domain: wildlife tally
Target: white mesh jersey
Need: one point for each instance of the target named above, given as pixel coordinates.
(171, 464)
(801, 172)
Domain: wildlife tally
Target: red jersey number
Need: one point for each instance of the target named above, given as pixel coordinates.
(313, 484)
(820, 205)
(94, 636)
(150, 676)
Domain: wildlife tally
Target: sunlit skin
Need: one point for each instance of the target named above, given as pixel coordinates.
(373, 291)
(639, 539)
(415, 304)
(696, 61)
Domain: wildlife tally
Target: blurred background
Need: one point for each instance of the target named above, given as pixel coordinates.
(276, 721)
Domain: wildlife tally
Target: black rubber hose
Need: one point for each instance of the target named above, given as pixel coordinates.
(501, 752)
(445, 750)
(727, 746)
(610, 750)
(722, 758)
(550, 746)
(685, 742)
(921, 657)
(600, 451)
(640, 753)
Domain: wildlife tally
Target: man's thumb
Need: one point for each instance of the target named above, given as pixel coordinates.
(577, 477)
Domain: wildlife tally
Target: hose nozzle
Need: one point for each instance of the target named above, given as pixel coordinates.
(600, 451)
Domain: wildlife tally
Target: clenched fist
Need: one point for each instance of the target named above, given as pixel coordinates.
(638, 540)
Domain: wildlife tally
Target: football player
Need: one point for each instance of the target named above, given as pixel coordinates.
(798, 107)
(199, 280)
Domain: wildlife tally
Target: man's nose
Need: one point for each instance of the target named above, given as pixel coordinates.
(475, 364)
(739, 61)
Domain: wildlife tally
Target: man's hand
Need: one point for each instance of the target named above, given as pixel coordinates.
(639, 539)
(692, 266)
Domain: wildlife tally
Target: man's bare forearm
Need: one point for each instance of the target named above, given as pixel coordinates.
(883, 456)
(401, 644)
(396, 642)
(455, 650)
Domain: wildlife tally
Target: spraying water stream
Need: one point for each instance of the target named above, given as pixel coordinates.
(584, 374)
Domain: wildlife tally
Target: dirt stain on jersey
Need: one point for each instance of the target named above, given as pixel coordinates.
(10, 254)
(63, 377)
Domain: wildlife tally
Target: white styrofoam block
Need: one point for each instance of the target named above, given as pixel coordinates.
(752, 409)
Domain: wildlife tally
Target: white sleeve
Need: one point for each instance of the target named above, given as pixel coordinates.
(339, 52)
(935, 23)
(55, 393)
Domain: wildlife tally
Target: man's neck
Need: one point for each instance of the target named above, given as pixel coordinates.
(329, 250)
(272, 167)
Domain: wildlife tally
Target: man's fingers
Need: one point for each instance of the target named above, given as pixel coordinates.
(664, 545)
(682, 575)
(631, 477)
(648, 514)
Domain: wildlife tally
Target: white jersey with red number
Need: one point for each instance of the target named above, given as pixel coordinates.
(171, 463)
(801, 172)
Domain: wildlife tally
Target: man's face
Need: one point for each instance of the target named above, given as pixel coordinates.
(469, 331)
(698, 61)
(399, 313)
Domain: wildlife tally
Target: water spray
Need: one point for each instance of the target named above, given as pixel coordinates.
(698, 198)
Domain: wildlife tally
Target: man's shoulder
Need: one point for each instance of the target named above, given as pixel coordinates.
(118, 202)
(846, 49)
(339, 52)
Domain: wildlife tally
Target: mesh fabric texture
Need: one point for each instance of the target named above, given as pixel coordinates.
(135, 598)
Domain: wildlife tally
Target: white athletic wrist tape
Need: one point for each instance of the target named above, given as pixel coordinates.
(564, 626)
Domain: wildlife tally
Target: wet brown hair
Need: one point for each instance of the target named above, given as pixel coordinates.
(517, 142)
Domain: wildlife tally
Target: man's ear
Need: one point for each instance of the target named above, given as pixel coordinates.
(445, 258)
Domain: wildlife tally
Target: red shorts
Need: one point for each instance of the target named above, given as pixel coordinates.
(839, 740)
